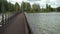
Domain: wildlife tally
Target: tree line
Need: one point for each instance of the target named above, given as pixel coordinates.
(25, 6)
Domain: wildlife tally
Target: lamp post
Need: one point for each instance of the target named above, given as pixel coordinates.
(2, 9)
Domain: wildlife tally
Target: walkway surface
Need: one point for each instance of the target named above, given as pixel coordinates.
(17, 25)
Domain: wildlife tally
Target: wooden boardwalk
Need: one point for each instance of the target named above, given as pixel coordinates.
(17, 26)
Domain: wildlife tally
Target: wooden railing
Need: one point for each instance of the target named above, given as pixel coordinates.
(27, 26)
(4, 26)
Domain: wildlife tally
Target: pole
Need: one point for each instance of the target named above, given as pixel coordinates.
(2, 9)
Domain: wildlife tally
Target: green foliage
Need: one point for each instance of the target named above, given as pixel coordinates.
(10, 7)
(58, 9)
(48, 8)
(36, 8)
(3, 5)
(28, 7)
(25, 6)
(16, 7)
(6, 7)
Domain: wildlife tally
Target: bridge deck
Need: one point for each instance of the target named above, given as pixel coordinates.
(17, 25)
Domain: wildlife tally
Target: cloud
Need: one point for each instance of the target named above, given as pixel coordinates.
(53, 3)
(42, 3)
(33, 0)
(14, 1)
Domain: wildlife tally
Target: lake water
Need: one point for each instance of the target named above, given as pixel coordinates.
(44, 23)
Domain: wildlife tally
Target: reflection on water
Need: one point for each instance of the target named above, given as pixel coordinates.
(44, 23)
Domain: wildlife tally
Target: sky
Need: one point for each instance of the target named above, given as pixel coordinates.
(42, 3)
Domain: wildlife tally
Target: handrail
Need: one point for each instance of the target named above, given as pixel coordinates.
(7, 23)
(27, 31)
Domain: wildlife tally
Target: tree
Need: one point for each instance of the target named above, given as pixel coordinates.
(36, 7)
(25, 6)
(48, 8)
(17, 7)
(58, 9)
(3, 3)
(10, 7)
